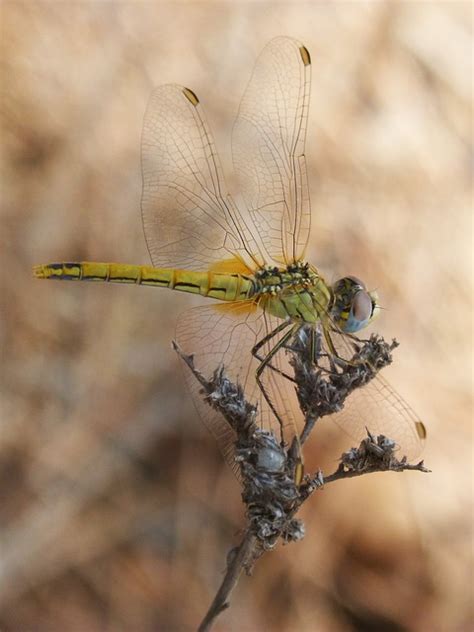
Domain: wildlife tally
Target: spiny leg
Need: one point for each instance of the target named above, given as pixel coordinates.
(263, 341)
(265, 362)
(336, 358)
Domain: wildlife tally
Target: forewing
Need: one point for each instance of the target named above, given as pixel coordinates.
(224, 335)
(268, 148)
(190, 221)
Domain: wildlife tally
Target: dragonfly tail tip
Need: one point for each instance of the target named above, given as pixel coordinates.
(38, 272)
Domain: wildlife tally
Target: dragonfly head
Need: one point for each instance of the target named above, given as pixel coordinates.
(353, 306)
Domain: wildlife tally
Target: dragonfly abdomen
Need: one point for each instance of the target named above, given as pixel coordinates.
(226, 287)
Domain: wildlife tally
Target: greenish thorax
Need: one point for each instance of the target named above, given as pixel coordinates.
(297, 292)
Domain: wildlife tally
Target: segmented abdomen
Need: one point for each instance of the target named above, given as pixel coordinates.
(226, 287)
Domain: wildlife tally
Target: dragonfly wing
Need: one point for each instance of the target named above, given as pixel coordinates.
(190, 221)
(268, 148)
(224, 335)
(377, 407)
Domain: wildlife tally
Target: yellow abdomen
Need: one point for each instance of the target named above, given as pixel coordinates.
(226, 287)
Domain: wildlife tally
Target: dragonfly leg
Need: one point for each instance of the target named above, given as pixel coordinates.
(336, 356)
(264, 340)
(265, 362)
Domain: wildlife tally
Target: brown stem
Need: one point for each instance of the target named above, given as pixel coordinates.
(240, 560)
(342, 473)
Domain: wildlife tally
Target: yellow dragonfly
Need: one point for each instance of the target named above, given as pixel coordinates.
(251, 261)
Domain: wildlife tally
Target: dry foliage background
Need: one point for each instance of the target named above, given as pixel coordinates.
(116, 510)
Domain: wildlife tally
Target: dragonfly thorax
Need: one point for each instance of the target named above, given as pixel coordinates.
(296, 291)
(271, 279)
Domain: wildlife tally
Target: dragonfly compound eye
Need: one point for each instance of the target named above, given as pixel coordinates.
(354, 281)
(353, 306)
(361, 309)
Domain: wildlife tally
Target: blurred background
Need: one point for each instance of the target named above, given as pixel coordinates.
(116, 509)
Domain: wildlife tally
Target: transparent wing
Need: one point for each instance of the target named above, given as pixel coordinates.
(380, 409)
(189, 219)
(268, 148)
(224, 335)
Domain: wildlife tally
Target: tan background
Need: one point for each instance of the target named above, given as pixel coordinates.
(116, 510)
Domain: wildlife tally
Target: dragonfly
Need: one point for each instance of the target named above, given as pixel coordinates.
(250, 260)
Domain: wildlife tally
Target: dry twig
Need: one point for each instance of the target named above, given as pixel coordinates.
(270, 490)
